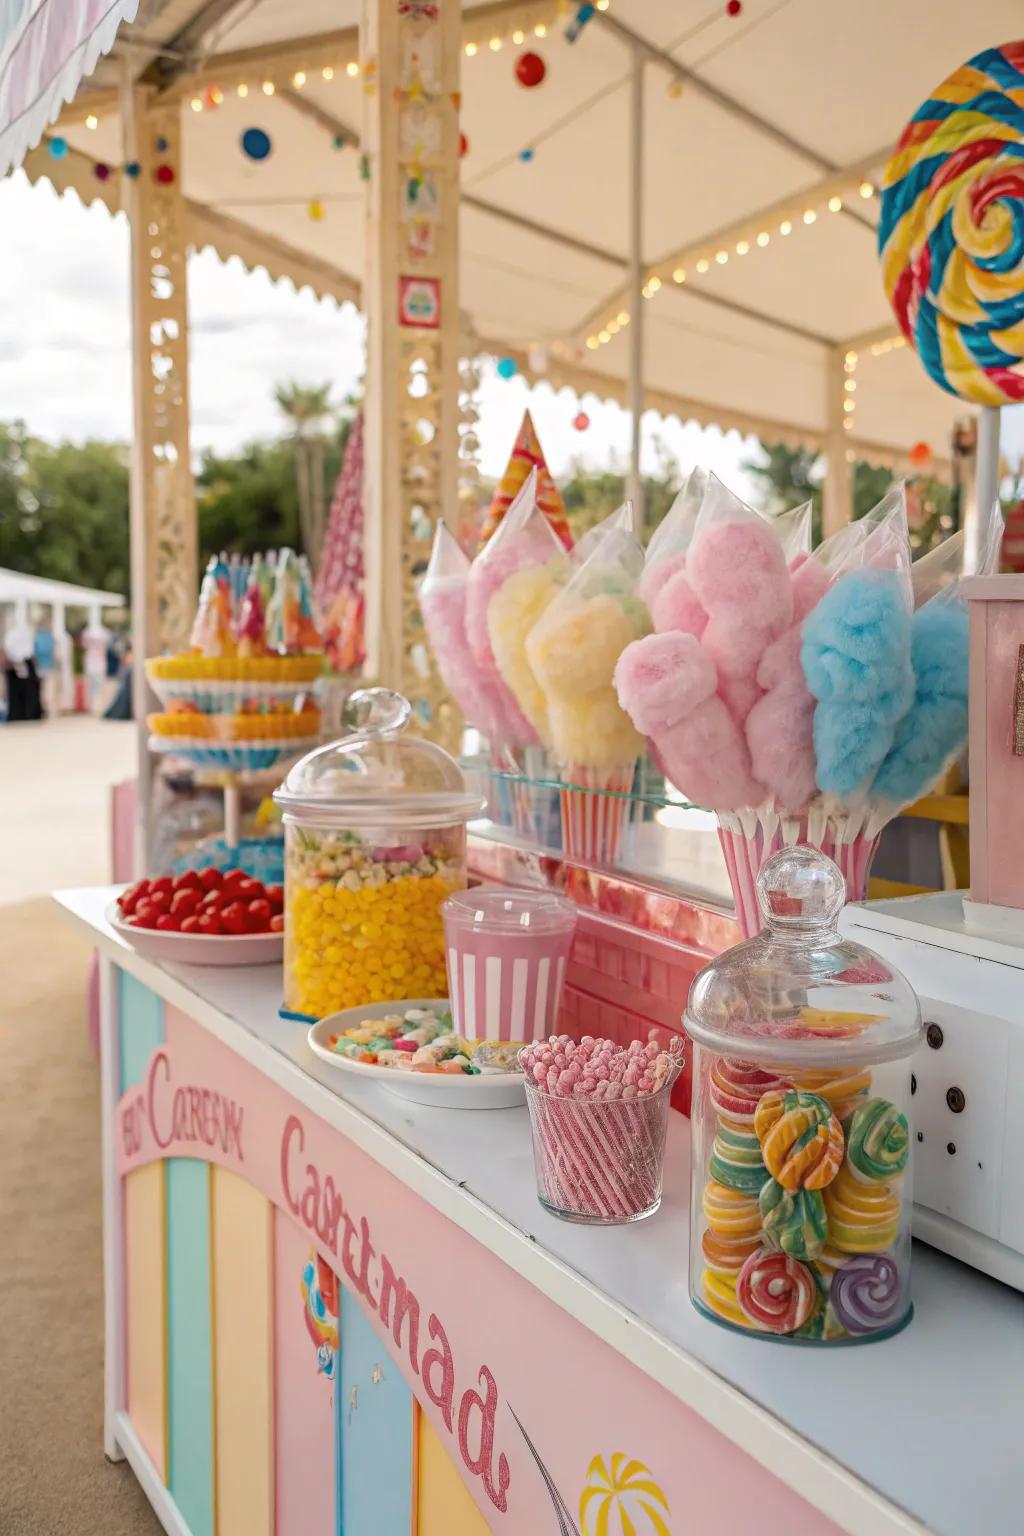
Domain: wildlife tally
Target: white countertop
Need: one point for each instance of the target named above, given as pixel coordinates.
(917, 1433)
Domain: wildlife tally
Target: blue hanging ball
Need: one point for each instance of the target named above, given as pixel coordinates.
(161, 145)
(526, 154)
(256, 143)
(507, 367)
(132, 169)
(58, 148)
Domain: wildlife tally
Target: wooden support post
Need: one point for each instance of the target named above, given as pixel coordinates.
(837, 501)
(410, 73)
(163, 509)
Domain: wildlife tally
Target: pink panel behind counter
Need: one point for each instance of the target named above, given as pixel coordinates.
(997, 770)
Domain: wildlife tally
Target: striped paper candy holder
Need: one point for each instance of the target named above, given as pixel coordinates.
(507, 952)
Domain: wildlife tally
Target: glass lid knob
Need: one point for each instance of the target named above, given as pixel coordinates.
(800, 888)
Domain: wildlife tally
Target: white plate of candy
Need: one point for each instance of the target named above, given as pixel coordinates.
(411, 1048)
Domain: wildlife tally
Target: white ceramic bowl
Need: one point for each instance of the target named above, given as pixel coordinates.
(199, 948)
(486, 1090)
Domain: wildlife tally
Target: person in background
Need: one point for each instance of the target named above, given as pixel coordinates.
(45, 659)
(20, 672)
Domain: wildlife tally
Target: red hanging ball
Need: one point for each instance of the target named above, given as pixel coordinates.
(581, 422)
(530, 70)
(920, 455)
(165, 174)
(101, 171)
(463, 145)
(734, 8)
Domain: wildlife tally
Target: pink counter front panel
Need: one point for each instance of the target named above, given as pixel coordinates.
(312, 1350)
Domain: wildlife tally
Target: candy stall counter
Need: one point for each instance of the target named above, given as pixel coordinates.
(384, 1276)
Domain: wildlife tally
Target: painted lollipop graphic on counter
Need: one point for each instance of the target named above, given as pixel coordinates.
(320, 1298)
(621, 1498)
(951, 229)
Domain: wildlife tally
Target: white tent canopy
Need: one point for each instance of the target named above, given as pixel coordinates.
(19, 590)
(750, 123)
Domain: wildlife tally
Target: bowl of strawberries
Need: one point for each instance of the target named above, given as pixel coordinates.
(202, 917)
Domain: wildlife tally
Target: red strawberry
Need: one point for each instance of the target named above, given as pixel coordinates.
(211, 879)
(168, 923)
(185, 902)
(146, 914)
(258, 916)
(188, 881)
(165, 883)
(250, 890)
(277, 923)
(234, 878)
(275, 895)
(191, 925)
(233, 917)
(214, 900)
(209, 923)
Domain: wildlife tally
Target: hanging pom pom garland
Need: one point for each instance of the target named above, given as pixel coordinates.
(530, 70)
(920, 455)
(316, 210)
(734, 8)
(507, 367)
(256, 144)
(463, 145)
(133, 169)
(101, 171)
(58, 148)
(165, 175)
(526, 155)
(581, 421)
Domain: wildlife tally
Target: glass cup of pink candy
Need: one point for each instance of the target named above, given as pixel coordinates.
(599, 1118)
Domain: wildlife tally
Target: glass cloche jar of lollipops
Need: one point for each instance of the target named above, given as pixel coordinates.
(802, 1142)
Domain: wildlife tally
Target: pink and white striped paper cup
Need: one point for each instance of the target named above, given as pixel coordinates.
(507, 952)
(596, 812)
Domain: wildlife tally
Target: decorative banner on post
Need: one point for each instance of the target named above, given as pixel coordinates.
(419, 302)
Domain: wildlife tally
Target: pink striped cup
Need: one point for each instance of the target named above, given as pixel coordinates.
(507, 952)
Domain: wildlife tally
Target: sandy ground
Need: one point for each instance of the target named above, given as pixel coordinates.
(55, 777)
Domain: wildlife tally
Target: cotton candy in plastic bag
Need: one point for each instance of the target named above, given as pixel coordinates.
(670, 541)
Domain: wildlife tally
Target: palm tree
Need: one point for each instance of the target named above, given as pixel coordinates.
(309, 411)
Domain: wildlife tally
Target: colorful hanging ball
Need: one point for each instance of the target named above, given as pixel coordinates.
(58, 148)
(165, 174)
(338, 142)
(256, 144)
(101, 171)
(526, 155)
(530, 70)
(920, 455)
(133, 169)
(161, 145)
(316, 210)
(581, 421)
(463, 145)
(507, 367)
(734, 8)
(674, 89)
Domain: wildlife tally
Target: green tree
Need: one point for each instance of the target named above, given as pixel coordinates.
(64, 509)
(590, 495)
(310, 416)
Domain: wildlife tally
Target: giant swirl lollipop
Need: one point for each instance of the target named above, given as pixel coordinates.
(951, 231)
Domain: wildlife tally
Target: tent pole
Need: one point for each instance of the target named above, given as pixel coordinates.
(837, 498)
(978, 512)
(634, 484)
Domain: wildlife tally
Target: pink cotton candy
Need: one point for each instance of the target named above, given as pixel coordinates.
(661, 679)
(707, 759)
(675, 605)
(739, 568)
(810, 582)
(780, 727)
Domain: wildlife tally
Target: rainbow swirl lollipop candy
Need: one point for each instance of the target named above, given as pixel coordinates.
(877, 1140)
(794, 1222)
(951, 229)
(866, 1293)
(801, 1139)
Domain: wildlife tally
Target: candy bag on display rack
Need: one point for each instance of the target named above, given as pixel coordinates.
(573, 651)
(442, 596)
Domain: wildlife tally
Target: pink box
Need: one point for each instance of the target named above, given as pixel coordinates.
(997, 740)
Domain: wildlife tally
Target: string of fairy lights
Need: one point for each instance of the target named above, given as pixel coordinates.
(663, 276)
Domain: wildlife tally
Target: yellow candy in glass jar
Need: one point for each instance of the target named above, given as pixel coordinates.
(375, 841)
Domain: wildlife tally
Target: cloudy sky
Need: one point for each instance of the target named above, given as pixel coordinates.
(65, 368)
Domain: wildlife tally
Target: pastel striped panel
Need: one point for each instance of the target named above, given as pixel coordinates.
(140, 1028)
(243, 1395)
(146, 1310)
(444, 1505)
(375, 1424)
(305, 1321)
(140, 1031)
(189, 1343)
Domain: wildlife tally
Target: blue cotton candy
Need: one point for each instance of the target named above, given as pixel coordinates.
(935, 728)
(856, 660)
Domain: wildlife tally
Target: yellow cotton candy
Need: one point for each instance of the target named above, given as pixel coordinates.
(513, 611)
(573, 651)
